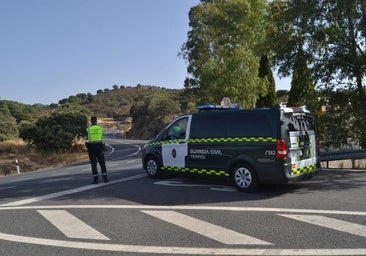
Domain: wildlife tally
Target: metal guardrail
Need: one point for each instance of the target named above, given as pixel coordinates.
(342, 155)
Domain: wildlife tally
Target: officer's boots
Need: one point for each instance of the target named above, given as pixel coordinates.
(95, 179)
(105, 179)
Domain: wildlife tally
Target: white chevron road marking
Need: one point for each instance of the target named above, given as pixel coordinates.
(71, 226)
(168, 250)
(339, 225)
(223, 235)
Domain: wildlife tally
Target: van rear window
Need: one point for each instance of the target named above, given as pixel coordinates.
(299, 121)
(230, 125)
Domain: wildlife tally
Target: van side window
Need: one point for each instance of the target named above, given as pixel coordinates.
(177, 130)
(207, 126)
(247, 125)
(233, 125)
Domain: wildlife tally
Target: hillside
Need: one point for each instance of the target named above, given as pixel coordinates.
(116, 105)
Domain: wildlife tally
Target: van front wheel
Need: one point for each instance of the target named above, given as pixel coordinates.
(153, 167)
(244, 178)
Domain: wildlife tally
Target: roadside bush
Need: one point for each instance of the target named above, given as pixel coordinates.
(54, 133)
(8, 128)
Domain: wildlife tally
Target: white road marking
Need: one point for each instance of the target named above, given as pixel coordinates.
(24, 179)
(57, 174)
(173, 183)
(186, 207)
(71, 191)
(7, 187)
(177, 250)
(183, 250)
(220, 234)
(71, 226)
(225, 189)
(339, 225)
(55, 180)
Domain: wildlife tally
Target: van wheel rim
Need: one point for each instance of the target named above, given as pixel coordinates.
(152, 167)
(243, 177)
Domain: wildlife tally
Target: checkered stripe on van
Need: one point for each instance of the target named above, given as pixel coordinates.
(195, 171)
(302, 170)
(233, 139)
(210, 140)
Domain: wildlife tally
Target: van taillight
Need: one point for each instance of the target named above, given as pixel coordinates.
(281, 150)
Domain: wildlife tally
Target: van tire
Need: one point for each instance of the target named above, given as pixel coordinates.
(244, 178)
(153, 167)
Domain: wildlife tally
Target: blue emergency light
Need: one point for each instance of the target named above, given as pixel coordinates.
(209, 107)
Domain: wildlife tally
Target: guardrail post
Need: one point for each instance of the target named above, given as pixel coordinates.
(17, 165)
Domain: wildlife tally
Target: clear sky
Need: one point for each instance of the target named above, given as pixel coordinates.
(52, 49)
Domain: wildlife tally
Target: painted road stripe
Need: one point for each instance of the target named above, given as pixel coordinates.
(339, 225)
(144, 249)
(71, 226)
(167, 250)
(71, 191)
(223, 235)
(187, 207)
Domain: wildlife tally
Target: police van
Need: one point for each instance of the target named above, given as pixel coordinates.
(249, 147)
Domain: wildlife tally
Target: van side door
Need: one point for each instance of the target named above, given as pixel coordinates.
(174, 146)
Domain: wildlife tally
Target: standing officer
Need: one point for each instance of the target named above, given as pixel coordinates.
(95, 149)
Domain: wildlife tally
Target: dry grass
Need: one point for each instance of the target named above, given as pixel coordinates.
(28, 160)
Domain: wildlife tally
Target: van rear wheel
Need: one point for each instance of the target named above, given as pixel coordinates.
(244, 178)
(153, 168)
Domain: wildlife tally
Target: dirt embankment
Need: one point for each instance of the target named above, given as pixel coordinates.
(9, 163)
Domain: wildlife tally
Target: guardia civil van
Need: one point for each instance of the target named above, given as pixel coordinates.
(249, 147)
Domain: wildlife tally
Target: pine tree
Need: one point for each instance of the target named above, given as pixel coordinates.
(269, 97)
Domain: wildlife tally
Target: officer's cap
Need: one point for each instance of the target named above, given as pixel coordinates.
(93, 119)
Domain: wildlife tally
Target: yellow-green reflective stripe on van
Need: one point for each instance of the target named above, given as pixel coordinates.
(195, 171)
(165, 142)
(208, 140)
(302, 170)
(235, 139)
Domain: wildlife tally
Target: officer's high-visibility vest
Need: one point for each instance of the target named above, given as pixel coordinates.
(95, 133)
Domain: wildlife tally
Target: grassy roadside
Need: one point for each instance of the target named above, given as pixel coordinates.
(28, 160)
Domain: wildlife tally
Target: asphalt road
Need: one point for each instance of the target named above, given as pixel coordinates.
(58, 212)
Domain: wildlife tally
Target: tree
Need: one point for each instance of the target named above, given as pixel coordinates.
(268, 98)
(156, 109)
(338, 119)
(4, 109)
(222, 50)
(302, 90)
(8, 128)
(332, 35)
(54, 133)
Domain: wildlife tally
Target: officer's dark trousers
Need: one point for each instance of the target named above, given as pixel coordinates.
(96, 155)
